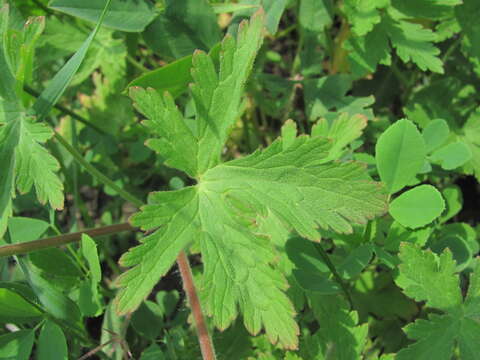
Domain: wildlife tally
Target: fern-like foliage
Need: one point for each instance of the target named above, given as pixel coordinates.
(24, 161)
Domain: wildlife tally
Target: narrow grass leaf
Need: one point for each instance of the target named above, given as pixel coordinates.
(57, 86)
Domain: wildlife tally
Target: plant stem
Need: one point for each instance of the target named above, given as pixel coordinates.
(96, 173)
(29, 246)
(453, 46)
(399, 75)
(206, 345)
(43, 7)
(135, 63)
(335, 273)
(66, 111)
(339, 53)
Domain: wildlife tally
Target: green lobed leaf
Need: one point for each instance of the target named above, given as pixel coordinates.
(415, 43)
(461, 251)
(400, 154)
(342, 131)
(364, 14)
(125, 15)
(431, 278)
(280, 177)
(374, 31)
(300, 187)
(366, 52)
(417, 207)
(23, 159)
(291, 179)
(217, 98)
(426, 277)
(27, 161)
(177, 142)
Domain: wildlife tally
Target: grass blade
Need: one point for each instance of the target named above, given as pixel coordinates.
(60, 81)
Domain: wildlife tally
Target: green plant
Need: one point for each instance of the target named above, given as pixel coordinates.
(350, 240)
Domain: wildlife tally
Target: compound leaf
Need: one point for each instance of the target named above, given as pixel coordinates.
(415, 43)
(376, 23)
(431, 278)
(364, 14)
(426, 277)
(23, 159)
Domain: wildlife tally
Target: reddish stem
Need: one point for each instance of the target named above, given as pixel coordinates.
(22, 248)
(206, 345)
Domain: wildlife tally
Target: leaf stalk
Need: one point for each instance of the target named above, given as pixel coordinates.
(206, 345)
(335, 273)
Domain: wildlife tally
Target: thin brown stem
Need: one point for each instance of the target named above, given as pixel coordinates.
(339, 53)
(26, 247)
(206, 345)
